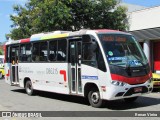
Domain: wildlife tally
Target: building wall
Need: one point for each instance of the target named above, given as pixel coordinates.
(144, 19)
(156, 52)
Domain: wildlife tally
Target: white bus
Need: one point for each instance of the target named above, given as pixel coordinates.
(96, 64)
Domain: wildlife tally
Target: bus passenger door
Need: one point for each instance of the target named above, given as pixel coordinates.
(75, 67)
(14, 65)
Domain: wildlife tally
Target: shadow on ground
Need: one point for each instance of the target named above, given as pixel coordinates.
(112, 105)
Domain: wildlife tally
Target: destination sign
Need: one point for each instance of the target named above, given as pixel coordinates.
(114, 38)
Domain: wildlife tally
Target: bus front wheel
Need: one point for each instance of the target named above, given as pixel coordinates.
(95, 99)
(29, 88)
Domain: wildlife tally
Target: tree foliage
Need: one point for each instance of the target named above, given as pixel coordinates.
(1, 52)
(49, 15)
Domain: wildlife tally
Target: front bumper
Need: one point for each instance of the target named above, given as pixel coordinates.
(118, 92)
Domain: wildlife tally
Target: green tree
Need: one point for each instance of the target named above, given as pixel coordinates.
(49, 15)
(1, 52)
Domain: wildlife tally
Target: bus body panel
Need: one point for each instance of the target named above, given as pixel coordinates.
(46, 77)
(8, 73)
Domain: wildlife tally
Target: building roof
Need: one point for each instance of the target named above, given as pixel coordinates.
(147, 34)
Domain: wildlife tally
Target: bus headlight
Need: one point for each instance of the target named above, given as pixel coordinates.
(118, 83)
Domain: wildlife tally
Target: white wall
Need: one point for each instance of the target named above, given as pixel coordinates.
(144, 19)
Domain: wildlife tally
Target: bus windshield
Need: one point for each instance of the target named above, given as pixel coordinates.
(122, 50)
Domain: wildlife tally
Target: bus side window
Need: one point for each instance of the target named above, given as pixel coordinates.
(101, 64)
(8, 55)
(22, 53)
(61, 53)
(25, 53)
(52, 50)
(28, 52)
(89, 54)
(92, 56)
(43, 51)
(35, 53)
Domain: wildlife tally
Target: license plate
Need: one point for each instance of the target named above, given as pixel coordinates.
(139, 89)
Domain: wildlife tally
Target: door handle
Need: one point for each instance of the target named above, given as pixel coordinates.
(79, 62)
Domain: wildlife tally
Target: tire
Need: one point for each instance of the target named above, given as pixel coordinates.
(94, 98)
(29, 88)
(130, 100)
(1, 76)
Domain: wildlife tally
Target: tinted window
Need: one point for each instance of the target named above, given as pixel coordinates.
(25, 53)
(8, 54)
(35, 52)
(40, 51)
(101, 64)
(61, 53)
(52, 50)
(90, 54)
(43, 51)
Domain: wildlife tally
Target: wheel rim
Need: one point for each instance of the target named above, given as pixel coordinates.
(95, 97)
(29, 88)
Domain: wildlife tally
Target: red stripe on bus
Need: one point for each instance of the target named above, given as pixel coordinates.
(63, 72)
(25, 40)
(132, 80)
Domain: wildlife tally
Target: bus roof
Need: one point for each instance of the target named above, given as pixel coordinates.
(61, 34)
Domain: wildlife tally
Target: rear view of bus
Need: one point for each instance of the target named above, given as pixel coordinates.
(130, 73)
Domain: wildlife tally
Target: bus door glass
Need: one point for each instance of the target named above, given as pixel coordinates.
(14, 64)
(75, 66)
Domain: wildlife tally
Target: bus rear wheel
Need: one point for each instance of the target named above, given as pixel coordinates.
(29, 88)
(95, 99)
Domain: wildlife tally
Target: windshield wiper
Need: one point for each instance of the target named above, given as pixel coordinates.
(139, 60)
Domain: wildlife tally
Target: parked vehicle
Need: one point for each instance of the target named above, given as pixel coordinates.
(2, 73)
(156, 80)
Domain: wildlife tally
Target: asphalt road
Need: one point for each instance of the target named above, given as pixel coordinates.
(15, 99)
